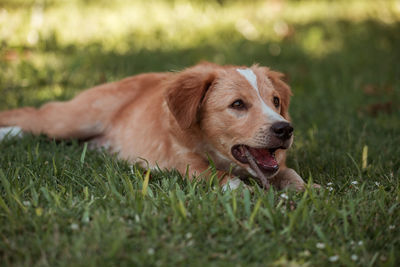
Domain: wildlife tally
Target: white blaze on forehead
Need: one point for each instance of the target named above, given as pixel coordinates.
(252, 79)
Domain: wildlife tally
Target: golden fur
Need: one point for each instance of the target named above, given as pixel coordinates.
(173, 120)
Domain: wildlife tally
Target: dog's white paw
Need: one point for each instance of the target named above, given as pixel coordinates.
(233, 184)
(10, 132)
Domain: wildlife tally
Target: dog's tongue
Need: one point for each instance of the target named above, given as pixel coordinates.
(264, 159)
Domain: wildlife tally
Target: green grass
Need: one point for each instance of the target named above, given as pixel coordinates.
(62, 206)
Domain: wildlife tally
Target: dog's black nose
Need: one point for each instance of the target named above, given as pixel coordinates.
(282, 130)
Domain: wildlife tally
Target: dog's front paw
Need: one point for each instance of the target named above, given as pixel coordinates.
(288, 178)
(232, 184)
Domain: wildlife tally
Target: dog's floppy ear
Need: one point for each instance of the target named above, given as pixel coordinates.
(283, 90)
(186, 92)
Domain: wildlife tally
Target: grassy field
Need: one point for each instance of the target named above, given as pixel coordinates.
(61, 205)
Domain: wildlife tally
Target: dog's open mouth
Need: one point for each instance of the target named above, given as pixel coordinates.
(261, 160)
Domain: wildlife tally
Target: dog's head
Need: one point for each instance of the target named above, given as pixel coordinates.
(241, 112)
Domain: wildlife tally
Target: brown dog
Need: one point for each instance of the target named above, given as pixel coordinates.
(236, 116)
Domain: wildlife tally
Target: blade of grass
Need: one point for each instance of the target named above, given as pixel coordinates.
(146, 183)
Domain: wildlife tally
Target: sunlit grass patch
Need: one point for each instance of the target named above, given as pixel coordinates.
(176, 24)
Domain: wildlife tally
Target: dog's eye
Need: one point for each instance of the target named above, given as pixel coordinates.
(238, 104)
(276, 101)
